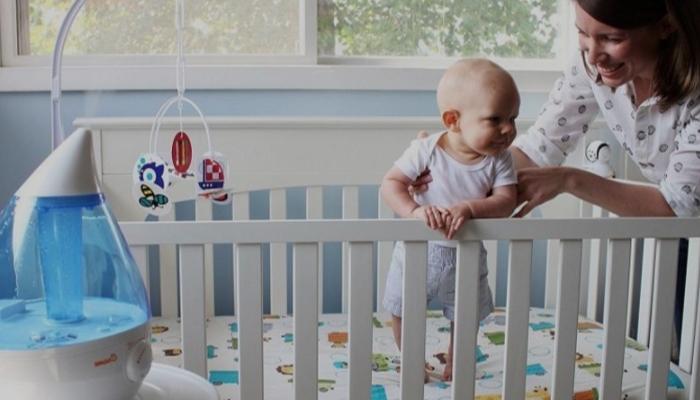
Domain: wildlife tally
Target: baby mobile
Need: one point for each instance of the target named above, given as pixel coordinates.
(153, 176)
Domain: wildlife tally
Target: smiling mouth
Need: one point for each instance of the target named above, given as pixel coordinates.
(609, 70)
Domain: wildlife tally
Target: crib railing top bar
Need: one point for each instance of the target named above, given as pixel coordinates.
(284, 122)
(263, 231)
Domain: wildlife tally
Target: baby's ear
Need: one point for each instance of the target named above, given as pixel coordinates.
(450, 119)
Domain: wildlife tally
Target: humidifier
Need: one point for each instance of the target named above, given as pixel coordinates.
(74, 315)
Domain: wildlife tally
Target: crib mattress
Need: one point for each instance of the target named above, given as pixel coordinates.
(222, 357)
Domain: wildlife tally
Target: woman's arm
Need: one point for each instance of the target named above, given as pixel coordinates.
(538, 185)
(520, 159)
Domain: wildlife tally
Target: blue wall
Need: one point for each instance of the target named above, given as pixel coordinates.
(25, 142)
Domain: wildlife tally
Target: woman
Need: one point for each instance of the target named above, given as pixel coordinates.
(640, 69)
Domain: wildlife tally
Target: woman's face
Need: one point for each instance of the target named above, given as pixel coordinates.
(619, 55)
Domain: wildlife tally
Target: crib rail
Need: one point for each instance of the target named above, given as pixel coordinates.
(248, 237)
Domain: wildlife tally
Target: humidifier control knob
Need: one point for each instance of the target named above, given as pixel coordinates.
(138, 361)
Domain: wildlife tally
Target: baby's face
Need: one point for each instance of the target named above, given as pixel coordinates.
(487, 121)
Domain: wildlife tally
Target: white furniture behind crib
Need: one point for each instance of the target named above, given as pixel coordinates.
(276, 154)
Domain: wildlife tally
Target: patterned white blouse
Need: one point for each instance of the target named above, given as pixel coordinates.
(665, 144)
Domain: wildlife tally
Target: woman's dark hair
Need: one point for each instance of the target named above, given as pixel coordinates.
(677, 72)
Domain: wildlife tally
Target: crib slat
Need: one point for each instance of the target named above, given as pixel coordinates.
(194, 340)
(249, 312)
(695, 377)
(585, 270)
(596, 271)
(466, 319)
(140, 254)
(305, 321)
(241, 212)
(662, 315)
(350, 211)
(646, 291)
(492, 265)
(553, 263)
(314, 210)
(384, 251)
(615, 317)
(633, 290)
(360, 330)
(168, 275)
(690, 302)
(517, 318)
(203, 212)
(413, 325)
(278, 256)
(566, 317)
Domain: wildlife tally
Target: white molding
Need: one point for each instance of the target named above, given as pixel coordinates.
(211, 77)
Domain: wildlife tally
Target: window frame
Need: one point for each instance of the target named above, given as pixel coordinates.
(305, 71)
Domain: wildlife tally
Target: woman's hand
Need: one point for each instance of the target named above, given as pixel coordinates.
(539, 185)
(420, 185)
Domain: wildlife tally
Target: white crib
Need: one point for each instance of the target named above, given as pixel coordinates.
(286, 156)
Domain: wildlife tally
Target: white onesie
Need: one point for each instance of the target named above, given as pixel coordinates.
(453, 182)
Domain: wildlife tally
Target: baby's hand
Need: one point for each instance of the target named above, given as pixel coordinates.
(433, 216)
(458, 214)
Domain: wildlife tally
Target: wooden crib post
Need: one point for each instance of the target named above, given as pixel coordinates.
(646, 291)
(314, 210)
(690, 306)
(350, 211)
(615, 317)
(192, 308)
(278, 256)
(305, 270)
(241, 212)
(413, 324)
(384, 252)
(168, 274)
(466, 319)
(517, 318)
(203, 212)
(566, 317)
(662, 315)
(360, 330)
(249, 312)
(695, 377)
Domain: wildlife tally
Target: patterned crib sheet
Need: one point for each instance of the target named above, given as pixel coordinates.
(223, 364)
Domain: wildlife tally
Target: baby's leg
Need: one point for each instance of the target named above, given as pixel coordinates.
(447, 373)
(396, 329)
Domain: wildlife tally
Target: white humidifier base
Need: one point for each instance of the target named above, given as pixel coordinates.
(170, 383)
(110, 368)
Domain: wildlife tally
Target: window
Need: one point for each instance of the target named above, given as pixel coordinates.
(443, 28)
(341, 44)
(129, 29)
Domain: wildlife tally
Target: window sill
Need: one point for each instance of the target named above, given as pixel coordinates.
(269, 77)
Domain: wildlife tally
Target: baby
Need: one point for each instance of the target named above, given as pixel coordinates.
(473, 177)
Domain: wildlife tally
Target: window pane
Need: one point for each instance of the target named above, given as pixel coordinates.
(438, 28)
(148, 27)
